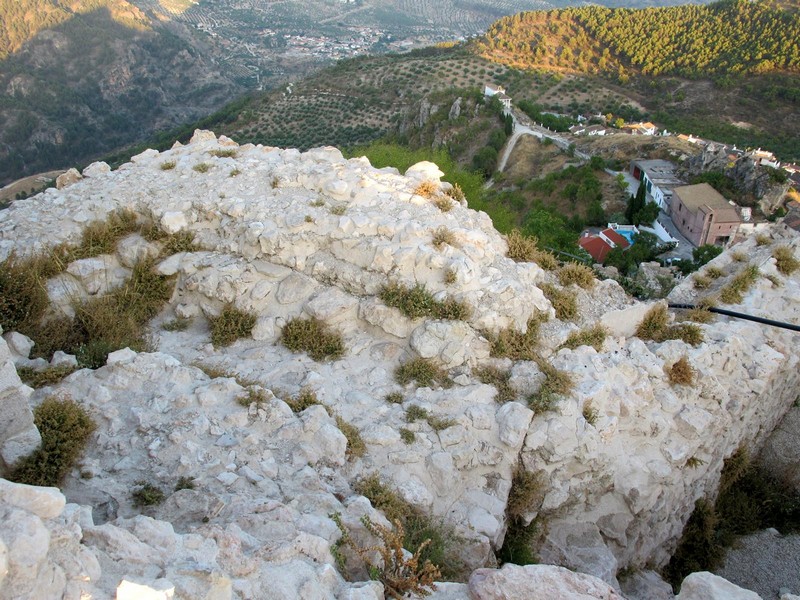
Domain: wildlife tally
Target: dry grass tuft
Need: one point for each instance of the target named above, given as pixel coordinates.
(418, 302)
(525, 249)
(356, 447)
(700, 282)
(578, 274)
(443, 236)
(202, 167)
(556, 384)
(427, 189)
(224, 153)
(590, 413)
(763, 239)
(444, 203)
(593, 336)
(714, 272)
(734, 292)
(231, 324)
(302, 401)
(168, 165)
(313, 337)
(456, 193)
(500, 379)
(565, 302)
(510, 343)
(424, 372)
(44, 377)
(655, 326)
(681, 372)
(785, 261)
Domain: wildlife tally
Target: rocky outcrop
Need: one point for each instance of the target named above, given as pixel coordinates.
(18, 435)
(284, 235)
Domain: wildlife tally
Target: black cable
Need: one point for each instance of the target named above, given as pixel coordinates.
(738, 315)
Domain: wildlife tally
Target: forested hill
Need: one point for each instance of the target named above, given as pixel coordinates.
(695, 41)
(21, 20)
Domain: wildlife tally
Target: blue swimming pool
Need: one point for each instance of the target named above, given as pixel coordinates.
(628, 235)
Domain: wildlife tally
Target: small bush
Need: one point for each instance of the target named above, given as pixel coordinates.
(714, 272)
(177, 324)
(700, 314)
(526, 493)
(49, 376)
(231, 324)
(424, 372)
(510, 343)
(65, 428)
(418, 302)
(443, 236)
(525, 249)
(739, 256)
(694, 462)
(427, 189)
(313, 337)
(500, 379)
(700, 282)
(697, 549)
(384, 498)
(785, 261)
(224, 153)
(763, 240)
(147, 494)
(440, 423)
(168, 165)
(394, 398)
(415, 413)
(565, 302)
(443, 203)
(309, 219)
(184, 483)
(202, 167)
(338, 210)
(681, 372)
(556, 384)
(578, 274)
(450, 276)
(654, 326)
(101, 237)
(183, 241)
(593, 336)
(456, 193)
(302, 401)
(590, 413)
(234, 173)
(407, 436)
(355, 443)
(734, 292)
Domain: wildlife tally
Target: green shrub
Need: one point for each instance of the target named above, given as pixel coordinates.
(501, 380)
(302, 401)
(147, 494)
(565, 302)
(168, 165)
(525, 249)
(65, 428)
(423, 371)
(202, 167)
(418, 302)
(785, 261)
(231, 324)
(654, 326)
(407, 436)
(224, 153)
(578, 274)
(510, 343)
(184, 483)
(734, 292)
(356, 447)
(593, 336)
(313, 337)
(440, 423)
(697, 549)
(43, 377)
(183, 241)
(556, 384)
(526, 493)
(415, 413)
(394, 398)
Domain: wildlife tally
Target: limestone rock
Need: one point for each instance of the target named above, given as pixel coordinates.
(707, 586)
(68, 178)
(537, 582)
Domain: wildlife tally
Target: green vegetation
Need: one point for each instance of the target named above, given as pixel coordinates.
(43, 377)
(510, 343)
(418, 302)
(655, 326)
(65, 428)
(501, 380)
(564, 302)
(313, 337)
(407, 436)
(424, 372)
(394, 398)
(231, 324)
(578, 274)
(639, 211)
(750, 499)
(526, 249)
(201, 167)
(147, 494)
(555, 385)
(356, 447)
(526, 495)
(302, 401)
(168, 165)
(184, 483)
(734, 292)
(785, 261)
(441, 550)
(176, 324)
(593, 336)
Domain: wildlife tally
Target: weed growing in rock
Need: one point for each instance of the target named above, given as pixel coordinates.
(183, 241)
(168, 165)
(65, 428)
(394, 398)
(694, 462)
(450, 276)
(500, 379)
(308, 219)
(355, 443)
(565, 302)
(338, 210)
(456, 193)
(734, 292)
(147, 494)
(556, 384)
(593, 336)
(785, 261)
(427, 189)
(101, 237)
(443, 203)
(443, 236)
(415, 413)
(418, 302)
(510, 343)
(407, 436)
(654, 326)
(525, 249)
(763, 240)
(774, 280)
(698, 549)
(681, 372)
(714, 272)
(224, 153)
(590, 413)
(302, 401)
(526, 495)
(184, 483)
(43, 377)
(234, 173)
(202, 167)
(700, 282)
(231, 324)
(313, 337)
(578, 274)
(440, 423)
(177, 324)
(424, 372)
(739, 256)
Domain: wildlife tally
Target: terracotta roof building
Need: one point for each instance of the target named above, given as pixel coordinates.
(598, 246)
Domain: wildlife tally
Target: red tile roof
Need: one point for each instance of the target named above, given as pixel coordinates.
(596, 247)
(619, 240)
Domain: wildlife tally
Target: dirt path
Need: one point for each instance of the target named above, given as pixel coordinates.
(34, 183)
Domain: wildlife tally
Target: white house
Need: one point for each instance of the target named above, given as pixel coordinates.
(499, 91)
(659, 178)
